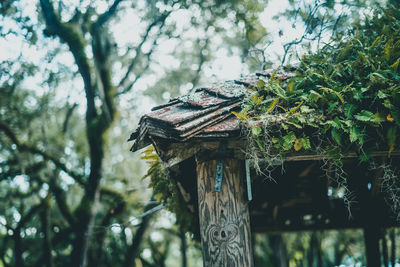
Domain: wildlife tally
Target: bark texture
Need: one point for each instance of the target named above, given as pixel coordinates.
(224, 216)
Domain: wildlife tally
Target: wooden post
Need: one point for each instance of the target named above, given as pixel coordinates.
(224, 216)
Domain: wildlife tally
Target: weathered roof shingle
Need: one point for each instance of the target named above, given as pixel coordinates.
(204, 113)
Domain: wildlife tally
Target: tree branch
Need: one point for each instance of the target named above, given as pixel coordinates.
(61, 201)
(202, 60)
(103, 18)
(18, 249)
(46, 229)
(307, 22)
(76, 43)
(116, 208)
(134, 249)
(79, 178)
(125, 79)
(68, 116)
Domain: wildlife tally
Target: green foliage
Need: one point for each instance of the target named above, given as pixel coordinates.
(165, 188)
(346, 94)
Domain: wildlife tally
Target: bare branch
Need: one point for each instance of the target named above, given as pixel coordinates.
(103, 18)
(202, 60)
(134, 249)
(61, 200)
(124, 81)
(310, 16)
(68, 116)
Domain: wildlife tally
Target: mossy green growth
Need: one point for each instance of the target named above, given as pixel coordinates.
(165, 189)
(347, 94)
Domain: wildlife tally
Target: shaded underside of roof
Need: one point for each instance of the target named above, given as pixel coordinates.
(204, 113)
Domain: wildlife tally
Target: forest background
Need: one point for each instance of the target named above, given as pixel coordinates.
(75, 77)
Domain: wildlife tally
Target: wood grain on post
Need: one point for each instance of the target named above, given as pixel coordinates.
(224, 216)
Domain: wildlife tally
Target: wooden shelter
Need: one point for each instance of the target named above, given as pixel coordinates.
(200, 141)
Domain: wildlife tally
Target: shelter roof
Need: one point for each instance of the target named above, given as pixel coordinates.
(204, 113)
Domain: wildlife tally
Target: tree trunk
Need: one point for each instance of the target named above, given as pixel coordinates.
(183, 247)
(84, 229)
(279, 253)
(19, 262)
(224, 216)
(314, 252)
(393, 246)
(385, 252)
(134, 249)
(372, 246)
(97, 123)
(310, 254)
(47, 247)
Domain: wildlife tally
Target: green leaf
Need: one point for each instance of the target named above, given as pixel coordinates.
(337, 136)
(273, 105)
(296, 108)
(356, 135)
(240, 115)
(379, 117)
(314, 95)
(365, 115)
(391, 138)
(363, 57)
(256, 100)
(376, 41)
(260, 84)
(288, 141)
(255, 130)
(305, 141)
(274, 140)
(306, 109)
(382, 94)
(395, 64)
(290, 86)
(297, 144)
(298, 126)
(332, 106)
(349, 110)
(387, 49)
(259, 145)
(365, 156)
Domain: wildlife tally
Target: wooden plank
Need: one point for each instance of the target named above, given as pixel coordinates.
(224, 216)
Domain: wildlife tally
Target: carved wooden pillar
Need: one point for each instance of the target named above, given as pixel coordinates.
(224, 215)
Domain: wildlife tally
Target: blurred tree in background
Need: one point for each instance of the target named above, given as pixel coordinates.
(69, 190)
(79, 76)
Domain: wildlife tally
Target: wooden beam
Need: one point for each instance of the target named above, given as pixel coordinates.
(173, 153)
(224, 216)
